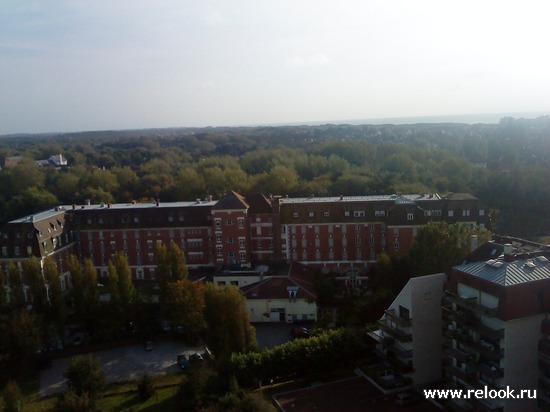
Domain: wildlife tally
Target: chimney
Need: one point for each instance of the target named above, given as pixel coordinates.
(88, 202)
(57, 209)
(157, 202)
(108, 205)
(209, 198)
(134, 202)
(473, 243)
(74, 206)
(508, 248)
(341, 197)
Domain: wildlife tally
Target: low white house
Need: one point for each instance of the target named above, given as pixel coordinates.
(288, 298)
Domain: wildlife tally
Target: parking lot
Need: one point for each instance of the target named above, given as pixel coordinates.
(131, 362)
(121, 364)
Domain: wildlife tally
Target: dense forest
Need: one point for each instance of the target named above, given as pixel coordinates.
(505, 165)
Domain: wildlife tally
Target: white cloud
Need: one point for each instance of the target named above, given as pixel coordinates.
(214, 19)
(306, 61)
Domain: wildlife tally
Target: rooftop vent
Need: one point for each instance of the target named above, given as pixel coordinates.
(494, 263)
(530, 264)
(542, 259)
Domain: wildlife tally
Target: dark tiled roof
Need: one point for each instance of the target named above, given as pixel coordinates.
(258, 203)
(232, 200)
(276, 287)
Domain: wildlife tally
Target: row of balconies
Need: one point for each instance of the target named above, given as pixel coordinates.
(471, 359)
(398, 334)
(469, 320)
(470, 303)
(403, 322)
(483, 348)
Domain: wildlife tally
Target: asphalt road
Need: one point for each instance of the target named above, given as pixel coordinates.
(121, 364)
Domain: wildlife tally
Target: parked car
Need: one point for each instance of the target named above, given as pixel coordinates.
(299, 332)
(148, 346)
(195, 357)
(182, 361)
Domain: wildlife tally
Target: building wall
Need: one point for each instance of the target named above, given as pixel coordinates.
(232, 240)
(521, 368)
(263, 310)
(427, 292)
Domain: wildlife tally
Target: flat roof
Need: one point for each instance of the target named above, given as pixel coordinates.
(374, 198)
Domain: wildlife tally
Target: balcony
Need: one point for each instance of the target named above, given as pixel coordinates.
(466, 374)
(402, 365)
(486, 349)
(472, 322)
(470, 303)
(391, 315)
(376, 334)
(396, 333)
(544, 347)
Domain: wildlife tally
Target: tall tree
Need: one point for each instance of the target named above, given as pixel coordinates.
(33, 273)
(228, 323)
(16, 288)
(126, 290)
(57, 310)
(439, 246)
(185, 303)
(3, 292)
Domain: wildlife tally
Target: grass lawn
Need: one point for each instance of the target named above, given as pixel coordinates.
(117, 397)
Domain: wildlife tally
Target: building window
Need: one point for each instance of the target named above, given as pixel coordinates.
(219, 250)
(380, 213)
(317, 229)
(396, 244)
(295, 215)
(311, 214)
(218, 223)
(230, 240)
(410, 216)
(242, 255)
(136, 219)
(229, 222)
(4, 251)
(326, 214)
(218, 238)
(466, 213)
(242, 243)
(481, 212)
(451, 213)
(240, 222)
(358, 240)
(346, 213)
(151, 257)
(16, 250)
(231, 255)
(359, 213)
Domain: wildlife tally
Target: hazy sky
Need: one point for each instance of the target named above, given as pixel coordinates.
(116, 64)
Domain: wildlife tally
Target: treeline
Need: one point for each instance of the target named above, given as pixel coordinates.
(505, 165)
(115, 309)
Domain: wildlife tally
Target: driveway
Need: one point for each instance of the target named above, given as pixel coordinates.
(121, 364)
(271, 334)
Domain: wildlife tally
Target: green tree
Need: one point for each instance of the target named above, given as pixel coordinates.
(84, 375)
(439, 246)
(13, 399)
(3, 293)
(16, 288)
(228, 323)
(69, 401)
(126, 290)
(57, 311)
(37, 286)
(185, 303)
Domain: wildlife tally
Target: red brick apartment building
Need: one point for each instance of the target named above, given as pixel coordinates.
(332, 232)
